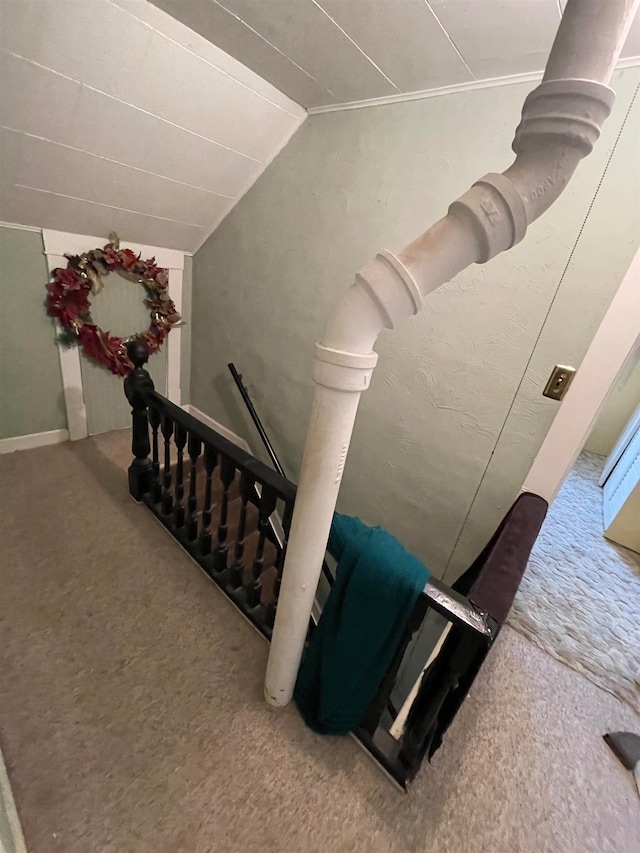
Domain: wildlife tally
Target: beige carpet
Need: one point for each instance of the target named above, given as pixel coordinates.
(132, 719)
(580, 596)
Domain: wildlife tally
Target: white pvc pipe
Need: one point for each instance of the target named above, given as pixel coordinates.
(561, 121)
(332, 417)
(589, 40)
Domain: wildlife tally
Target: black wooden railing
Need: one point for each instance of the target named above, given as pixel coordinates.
(212, 496)
(219, 501)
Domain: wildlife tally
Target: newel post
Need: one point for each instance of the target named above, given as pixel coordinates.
(136, 383)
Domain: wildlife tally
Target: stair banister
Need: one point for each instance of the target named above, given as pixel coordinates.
(560, 123)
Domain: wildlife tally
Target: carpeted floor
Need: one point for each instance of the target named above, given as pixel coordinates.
(580, 596)
(132, 718)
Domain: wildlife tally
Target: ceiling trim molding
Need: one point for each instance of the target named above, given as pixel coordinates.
(17, 227)
(470, 85)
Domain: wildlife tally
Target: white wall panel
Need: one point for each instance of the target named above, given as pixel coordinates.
(214, 23)
(500, 37)
(35, 100)
(18, 204)
(304, 33)
(92, 41)
(426, 58)
(211, 104)
(56, 168)
(206, 49)
(123, 132)
(95, 122)
(164, 131)
(365, 49)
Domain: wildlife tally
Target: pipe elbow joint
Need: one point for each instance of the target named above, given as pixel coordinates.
(561, 121)
(384, 294)
(494, 213)
(565, 112)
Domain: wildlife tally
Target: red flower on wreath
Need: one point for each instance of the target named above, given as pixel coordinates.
(68, 302)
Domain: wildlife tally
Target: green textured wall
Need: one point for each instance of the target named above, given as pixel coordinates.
(454, 415)
(31, 397)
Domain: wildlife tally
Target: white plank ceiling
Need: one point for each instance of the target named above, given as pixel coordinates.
(324, 52)
(113, 115)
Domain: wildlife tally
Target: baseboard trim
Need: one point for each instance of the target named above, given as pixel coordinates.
(18, 227)
(36, 439)
(218, 427)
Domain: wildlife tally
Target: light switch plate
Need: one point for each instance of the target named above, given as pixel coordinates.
(559, 381)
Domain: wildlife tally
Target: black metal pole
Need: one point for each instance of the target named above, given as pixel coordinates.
(237, 378)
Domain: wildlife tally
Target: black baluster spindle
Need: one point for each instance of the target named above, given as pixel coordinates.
(227, 473)
(166, 425)
(236, 572)
(180, 439)
(194, 448)
(137, 382)
(156, 488)
(210, 462)
(266, 507)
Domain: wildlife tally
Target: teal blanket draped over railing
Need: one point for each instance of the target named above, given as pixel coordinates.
(377, 584)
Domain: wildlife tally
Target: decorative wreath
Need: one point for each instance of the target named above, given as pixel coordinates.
(68, 301)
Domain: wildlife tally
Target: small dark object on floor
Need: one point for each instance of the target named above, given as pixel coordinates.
(626, 747)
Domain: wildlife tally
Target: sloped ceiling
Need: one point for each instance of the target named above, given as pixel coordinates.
(114, 116)
(325, 52)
